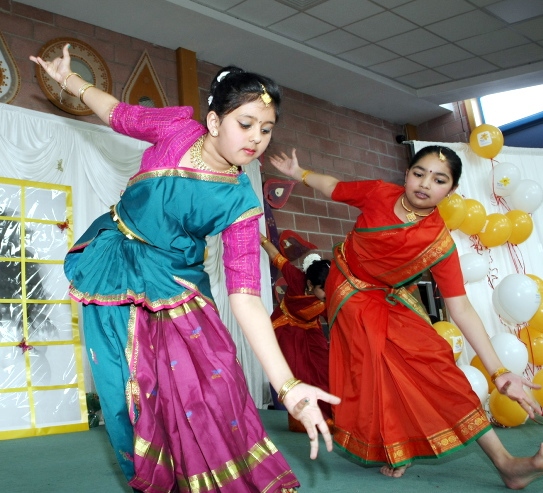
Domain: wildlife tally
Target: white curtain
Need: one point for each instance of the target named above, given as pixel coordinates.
(97, 163)
(475, 183)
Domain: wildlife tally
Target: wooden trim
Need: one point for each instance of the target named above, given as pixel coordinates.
(187, 80)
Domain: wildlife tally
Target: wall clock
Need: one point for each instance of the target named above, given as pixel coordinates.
(85, 61)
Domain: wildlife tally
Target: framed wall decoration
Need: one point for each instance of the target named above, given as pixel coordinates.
(85, 61)
(144, 87)
(9, 74)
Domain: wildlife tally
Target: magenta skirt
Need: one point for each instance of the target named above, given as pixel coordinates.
(196, 428)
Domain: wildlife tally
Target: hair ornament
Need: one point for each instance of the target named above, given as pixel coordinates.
(266, 98)
(222, 75)
(209, 100)
(312, 257)
(441, 156)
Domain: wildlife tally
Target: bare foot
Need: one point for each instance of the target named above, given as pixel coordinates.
(523, 470)
(394, 472)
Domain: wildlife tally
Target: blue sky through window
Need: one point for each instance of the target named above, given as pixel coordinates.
(506, 107)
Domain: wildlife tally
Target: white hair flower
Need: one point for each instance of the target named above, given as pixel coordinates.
(209, 100)
(222, 75)
(312, 257)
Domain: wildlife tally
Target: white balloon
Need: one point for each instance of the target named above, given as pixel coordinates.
(504, 178)
(527, 196)
(477, 381)
(511, 351)
(474, 266)
(519, 297)
(499, 308)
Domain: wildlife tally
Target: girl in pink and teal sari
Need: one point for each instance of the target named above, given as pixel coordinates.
(175, 401)
(403, 397)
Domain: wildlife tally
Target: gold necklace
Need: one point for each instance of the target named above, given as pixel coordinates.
(198, 163)
(411, 216)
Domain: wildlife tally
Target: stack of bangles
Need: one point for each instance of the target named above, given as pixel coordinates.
(82, 89)
(286, 388)
(498, 373)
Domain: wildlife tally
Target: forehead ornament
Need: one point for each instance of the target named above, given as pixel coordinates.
(441, 156)
(266, 98)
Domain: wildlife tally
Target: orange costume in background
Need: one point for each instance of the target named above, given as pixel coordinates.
(402, 395)
(299, 331)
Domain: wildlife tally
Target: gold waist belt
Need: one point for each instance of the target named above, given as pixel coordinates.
(122, 227)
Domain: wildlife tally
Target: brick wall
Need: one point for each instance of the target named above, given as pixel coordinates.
(453, 127)
(328, 138)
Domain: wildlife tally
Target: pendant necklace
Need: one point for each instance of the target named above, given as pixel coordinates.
(411, 215)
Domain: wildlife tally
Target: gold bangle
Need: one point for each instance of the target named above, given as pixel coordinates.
(305, 174)
(287, 387)
(64, 87)
(498, 373)
(262, 243)
(82, 90)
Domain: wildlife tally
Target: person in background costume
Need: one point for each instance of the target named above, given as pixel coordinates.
(187, 422)
(403, 397)
(296, 321)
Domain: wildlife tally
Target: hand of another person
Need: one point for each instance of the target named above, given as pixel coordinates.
(512, 385)
(287, 165)
(58, 68)
(302, 403)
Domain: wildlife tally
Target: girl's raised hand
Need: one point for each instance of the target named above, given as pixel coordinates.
(58, 68)
(287, 165)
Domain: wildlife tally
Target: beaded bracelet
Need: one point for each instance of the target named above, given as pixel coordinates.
(305, 174)
(498, 373)
(287, 387)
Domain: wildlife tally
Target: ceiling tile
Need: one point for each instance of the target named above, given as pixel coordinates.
(517, 10)
(466, 68)
(424, 12)
(491, 42)
(396, 68)
(335, 42)
(343, 12)
(435, 56)
(483, 3)
(380, 26)
(261, 12)
(466, 26)
(368, 55)
(221, 5)
(390, 4)
(301, 27)
(412, 42)
(425, 78)
(514, 57)
(533, 28)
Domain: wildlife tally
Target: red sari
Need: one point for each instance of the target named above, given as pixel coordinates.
(403, 397)
(299, 331)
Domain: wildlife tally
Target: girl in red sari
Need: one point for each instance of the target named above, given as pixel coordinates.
(403, 397)
(297, 325)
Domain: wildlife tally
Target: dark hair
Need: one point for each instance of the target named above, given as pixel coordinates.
(454, 162)
(317, 272)
(238, 87)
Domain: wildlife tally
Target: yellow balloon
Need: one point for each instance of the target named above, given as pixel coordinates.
(453, 210)
(451, 333)
(539, 282)
(486, 141)
(538, 393)
(533, 340)
(475, 217)
(496, 231)
(505, 411)
(522, 226)
(536, 322)
(477, 363)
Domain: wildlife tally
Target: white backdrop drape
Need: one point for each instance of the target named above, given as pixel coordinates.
(97, 163)
(476, 184)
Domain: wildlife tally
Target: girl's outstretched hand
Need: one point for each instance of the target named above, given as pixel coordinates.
(58, 68)
(512, 385)
(287, 165)
(301, 403)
